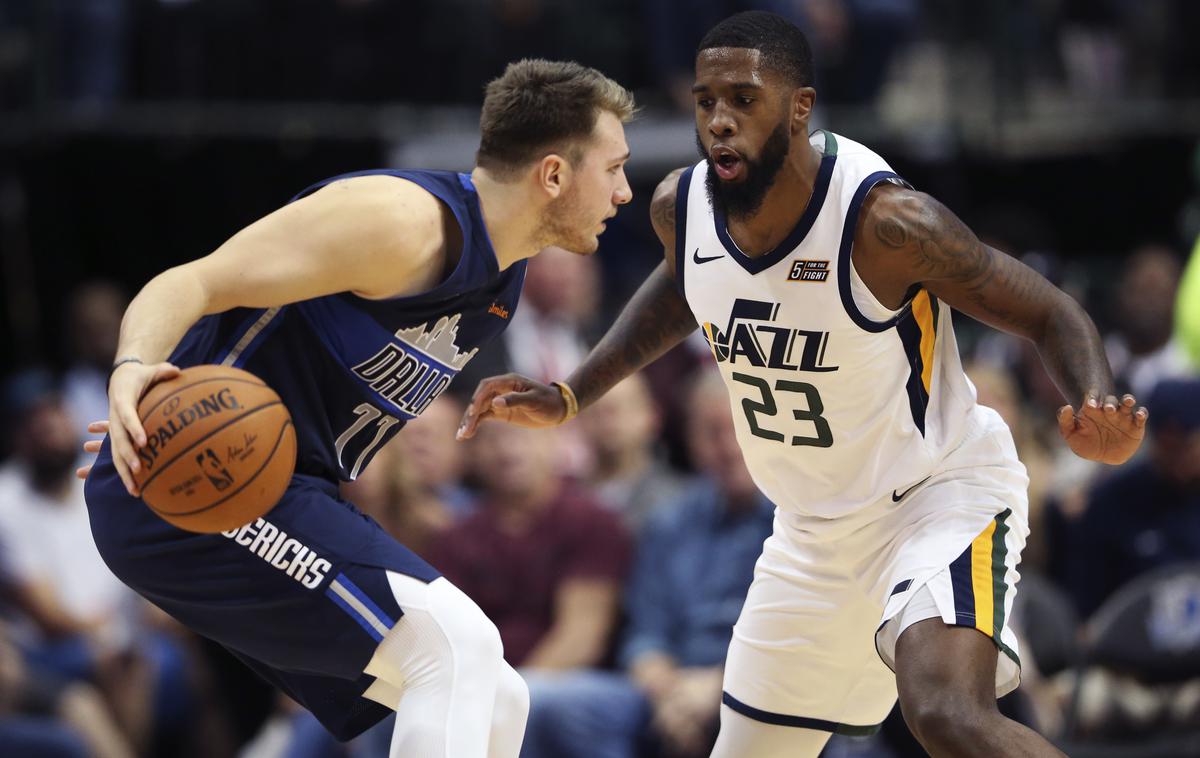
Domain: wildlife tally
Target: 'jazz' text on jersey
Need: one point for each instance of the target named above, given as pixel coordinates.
(752, 337)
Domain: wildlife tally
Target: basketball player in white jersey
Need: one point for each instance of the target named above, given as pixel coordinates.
(824, 285)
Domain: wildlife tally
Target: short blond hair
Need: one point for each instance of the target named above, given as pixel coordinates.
(537, 107)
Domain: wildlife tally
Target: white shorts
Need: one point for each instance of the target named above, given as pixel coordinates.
(815, 644)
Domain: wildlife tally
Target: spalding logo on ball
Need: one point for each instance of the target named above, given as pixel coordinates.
(220, 449)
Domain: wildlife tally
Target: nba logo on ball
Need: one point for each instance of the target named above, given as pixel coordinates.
(220, 449)
(210, 464)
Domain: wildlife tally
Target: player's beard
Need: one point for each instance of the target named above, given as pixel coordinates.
(743, 199)
(562, 226)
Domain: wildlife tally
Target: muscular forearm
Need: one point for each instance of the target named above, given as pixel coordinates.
(656, 319)
(1073, 354)
(160, 315)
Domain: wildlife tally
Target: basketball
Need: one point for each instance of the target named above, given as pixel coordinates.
(220, 449)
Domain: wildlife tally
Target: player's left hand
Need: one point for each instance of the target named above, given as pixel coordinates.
(513, 398)
(92, 446)
(1109, 432)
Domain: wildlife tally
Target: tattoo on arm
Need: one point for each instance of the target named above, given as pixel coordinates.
(949, 258)
(1074, 355)
(662, 214)
(891, 232)
(985, 283)
(656, 319)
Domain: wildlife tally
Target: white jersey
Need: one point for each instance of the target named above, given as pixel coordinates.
(836, 399)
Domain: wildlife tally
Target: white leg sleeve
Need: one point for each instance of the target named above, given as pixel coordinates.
(444, 658)
(509, 714)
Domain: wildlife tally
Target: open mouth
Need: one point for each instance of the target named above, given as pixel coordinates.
(726, 162)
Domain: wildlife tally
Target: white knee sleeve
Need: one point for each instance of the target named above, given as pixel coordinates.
(509, 714)
(445, 659)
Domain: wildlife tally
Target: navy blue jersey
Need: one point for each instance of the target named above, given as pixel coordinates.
(302, 594)
(353, 371)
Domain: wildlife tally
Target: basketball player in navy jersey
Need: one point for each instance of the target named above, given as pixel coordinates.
(823, 283)
(358, 302)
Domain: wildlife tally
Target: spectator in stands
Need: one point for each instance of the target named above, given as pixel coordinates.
(81, 622)
(66, 588)
(91, 42)
(695, 562)
(93, 324)
(436, 460)
(672, 30)
(1147, 514)
(41, 715)
(854, 41)
(997, 389)
(548, 336)
(546, 563)
(418, 491)
(1140, 348)
(628, 474)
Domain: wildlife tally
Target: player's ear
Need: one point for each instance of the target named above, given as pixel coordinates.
(553, 173)
(803, 99)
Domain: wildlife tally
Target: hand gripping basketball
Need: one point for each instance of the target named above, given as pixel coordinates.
(128, 383)
(220, 449)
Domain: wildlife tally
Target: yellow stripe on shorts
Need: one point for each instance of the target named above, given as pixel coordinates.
(982, 578)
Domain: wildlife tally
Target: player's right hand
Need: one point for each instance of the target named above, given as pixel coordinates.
(513, 398)
(128, 383)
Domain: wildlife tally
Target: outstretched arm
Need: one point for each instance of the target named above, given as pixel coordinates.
(914, 239)
(654, 320)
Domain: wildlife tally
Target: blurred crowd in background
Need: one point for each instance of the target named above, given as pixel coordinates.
(104, 51)
(614, 552)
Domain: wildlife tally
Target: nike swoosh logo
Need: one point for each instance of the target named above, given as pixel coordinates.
(898, 497)
(696, 257)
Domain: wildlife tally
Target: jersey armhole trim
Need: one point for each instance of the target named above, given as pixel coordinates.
(847, 247)
(681, 203)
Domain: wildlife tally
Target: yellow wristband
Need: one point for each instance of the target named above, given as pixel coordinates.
(568, 396)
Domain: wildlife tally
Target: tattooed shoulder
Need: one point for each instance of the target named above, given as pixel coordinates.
(935, 248)
(939, 245)
(662, 207)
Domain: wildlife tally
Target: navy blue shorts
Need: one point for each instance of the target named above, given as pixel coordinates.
(301, 596)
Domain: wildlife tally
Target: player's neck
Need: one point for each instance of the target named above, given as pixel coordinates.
(511, 220)
(783, 205)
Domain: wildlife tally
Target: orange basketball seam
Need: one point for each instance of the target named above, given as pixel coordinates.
(244, 484)
(196, 383)
(186, 450)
